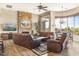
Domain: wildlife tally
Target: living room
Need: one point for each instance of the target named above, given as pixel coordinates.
(39, 29)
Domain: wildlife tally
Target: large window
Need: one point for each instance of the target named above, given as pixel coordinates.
(76, 27)
(63, 23)
(57, 23)
(68, 24)
(76, 21)
(71, 22)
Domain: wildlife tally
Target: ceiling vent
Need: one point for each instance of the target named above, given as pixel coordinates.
(9, 6)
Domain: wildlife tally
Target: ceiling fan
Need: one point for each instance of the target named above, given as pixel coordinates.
(41, 7)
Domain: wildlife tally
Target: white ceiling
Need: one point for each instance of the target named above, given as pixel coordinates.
(31, 7)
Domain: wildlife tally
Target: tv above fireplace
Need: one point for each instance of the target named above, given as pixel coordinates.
(9, 27)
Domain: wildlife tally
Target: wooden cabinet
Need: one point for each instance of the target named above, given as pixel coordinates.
(6, 36)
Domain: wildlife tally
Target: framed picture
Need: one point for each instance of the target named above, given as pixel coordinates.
(25, 24)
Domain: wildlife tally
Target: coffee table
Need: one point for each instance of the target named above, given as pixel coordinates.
(42, 49)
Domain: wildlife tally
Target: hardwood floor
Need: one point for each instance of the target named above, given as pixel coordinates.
(11, 49)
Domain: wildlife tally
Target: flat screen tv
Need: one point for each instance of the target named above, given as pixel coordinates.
(9, 27)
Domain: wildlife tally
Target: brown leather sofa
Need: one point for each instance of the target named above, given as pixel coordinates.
(57, 45)
(25, 40)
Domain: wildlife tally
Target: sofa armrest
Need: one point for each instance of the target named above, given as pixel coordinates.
(54, 46)
(53, 41)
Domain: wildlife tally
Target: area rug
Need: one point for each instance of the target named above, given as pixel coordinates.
(41, 50)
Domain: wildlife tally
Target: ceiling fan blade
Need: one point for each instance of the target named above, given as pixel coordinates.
(39, 5)
(44, 9)
(37, 10)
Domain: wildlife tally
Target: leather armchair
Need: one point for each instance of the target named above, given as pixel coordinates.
(57, 45)
(25, 40)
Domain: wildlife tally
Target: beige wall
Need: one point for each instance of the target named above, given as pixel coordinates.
(34, 20)
(7, 16)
